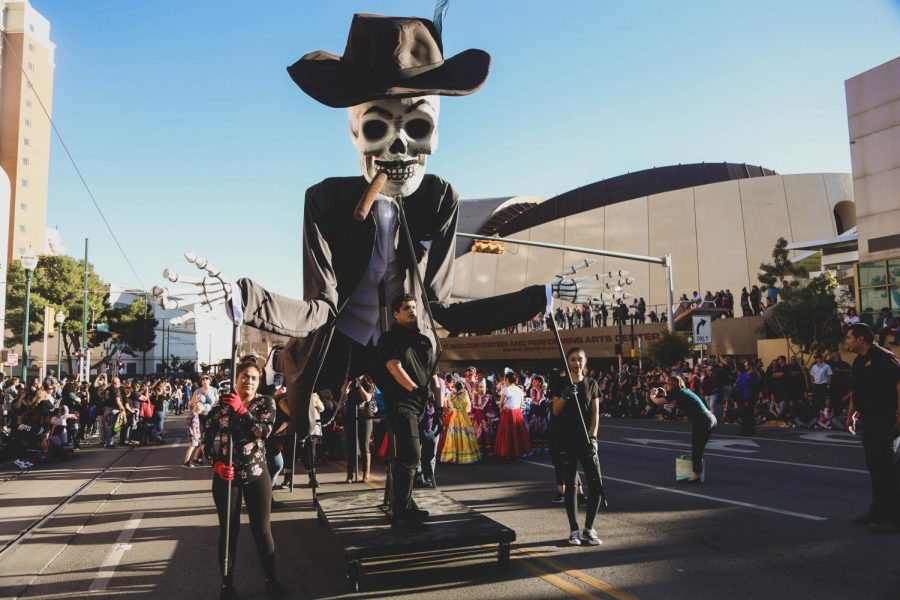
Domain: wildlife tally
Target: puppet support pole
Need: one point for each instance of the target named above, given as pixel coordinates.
(235, 338)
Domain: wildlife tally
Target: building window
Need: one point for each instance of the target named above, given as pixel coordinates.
(26, 161)
(22, 228)
(21, 251)
(31, 66)
(26, 141)
(23, 206)
(31, 28)
(27, 122)
(879, 288)
(28, 104)
(24, 183)
(31, 47)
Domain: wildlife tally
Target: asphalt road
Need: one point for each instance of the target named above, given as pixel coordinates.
(772, 521)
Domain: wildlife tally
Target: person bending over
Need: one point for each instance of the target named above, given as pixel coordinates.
(702, 421)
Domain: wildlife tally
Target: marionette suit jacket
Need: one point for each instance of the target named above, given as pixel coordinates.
(336, 253)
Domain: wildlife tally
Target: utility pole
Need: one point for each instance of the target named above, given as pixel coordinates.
(86, 354)
(144, 359)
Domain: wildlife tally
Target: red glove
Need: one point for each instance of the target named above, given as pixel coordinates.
(224, 472)
(234, 401)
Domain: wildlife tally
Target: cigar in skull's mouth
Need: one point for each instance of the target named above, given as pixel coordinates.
(368, 197)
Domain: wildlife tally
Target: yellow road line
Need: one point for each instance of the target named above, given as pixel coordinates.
(558, 582)
(584, 578)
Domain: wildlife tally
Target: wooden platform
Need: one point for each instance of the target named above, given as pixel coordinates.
(364, 531)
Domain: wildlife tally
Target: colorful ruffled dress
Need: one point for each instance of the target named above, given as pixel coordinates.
(460, 444)
(513, 440)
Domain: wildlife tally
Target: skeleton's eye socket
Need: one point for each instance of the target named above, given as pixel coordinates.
(374, 130)
(418, 128)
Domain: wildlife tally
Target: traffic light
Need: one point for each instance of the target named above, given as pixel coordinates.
(487, 246)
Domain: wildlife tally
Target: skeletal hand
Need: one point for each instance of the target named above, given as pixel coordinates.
(202, 296)
(575, 291)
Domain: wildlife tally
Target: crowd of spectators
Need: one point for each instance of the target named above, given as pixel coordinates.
(784, 393)
(51, 419)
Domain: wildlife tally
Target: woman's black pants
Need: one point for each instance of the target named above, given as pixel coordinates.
(567, 463)
(701, 429)
(257, 496)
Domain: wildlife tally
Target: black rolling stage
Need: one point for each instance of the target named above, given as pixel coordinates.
(363, 529)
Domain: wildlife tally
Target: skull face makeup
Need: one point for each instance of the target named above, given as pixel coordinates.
(395, 135)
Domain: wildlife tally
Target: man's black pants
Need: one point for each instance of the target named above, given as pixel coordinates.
(406, 432)
(878, 435)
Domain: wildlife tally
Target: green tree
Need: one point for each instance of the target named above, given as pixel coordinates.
(781, 270)
(805, 316)
(669, 349)
(132, 329)
(57, 282)
(805, 312)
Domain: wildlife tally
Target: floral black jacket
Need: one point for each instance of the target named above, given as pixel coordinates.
(248, 432)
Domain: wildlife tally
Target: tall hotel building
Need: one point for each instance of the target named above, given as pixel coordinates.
(26, 74)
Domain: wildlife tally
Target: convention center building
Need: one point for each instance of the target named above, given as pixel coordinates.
(719, 221)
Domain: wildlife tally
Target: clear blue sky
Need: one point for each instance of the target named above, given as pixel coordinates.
(192, 136)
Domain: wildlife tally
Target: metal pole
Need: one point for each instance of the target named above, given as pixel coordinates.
(235, 335)
(59, 351)
(670, 289)
(44, 349)
(28, 274)
(144, 357)
(637, 257)
(165, 355)
(84, 315)
(632, 338)
(620, 340)
(640, 353)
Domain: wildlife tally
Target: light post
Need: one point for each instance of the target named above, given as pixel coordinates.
(29, 262)
(60, 319)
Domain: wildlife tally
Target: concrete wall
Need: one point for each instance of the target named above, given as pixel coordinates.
(873, 110)
(718, 235)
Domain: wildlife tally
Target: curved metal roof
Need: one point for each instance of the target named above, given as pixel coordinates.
(628, 187)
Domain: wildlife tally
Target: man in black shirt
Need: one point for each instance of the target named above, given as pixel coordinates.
(876, 395)
(408, 357)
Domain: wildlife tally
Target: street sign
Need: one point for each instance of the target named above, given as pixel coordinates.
(702, 330)
(103, 327)
(12, 359)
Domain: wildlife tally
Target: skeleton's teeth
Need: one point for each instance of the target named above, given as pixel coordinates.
(401, 173)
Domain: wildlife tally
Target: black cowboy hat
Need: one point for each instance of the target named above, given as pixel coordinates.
(389, 57)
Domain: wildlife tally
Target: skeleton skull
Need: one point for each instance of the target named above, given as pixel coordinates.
(395, 135)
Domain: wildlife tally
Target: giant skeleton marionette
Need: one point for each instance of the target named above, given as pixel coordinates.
(356, 260)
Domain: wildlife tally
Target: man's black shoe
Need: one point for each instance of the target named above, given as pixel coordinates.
(865, 519)
(313, 483)
(276, 505)
(884, 527)
(559, 498)
(417, 513)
